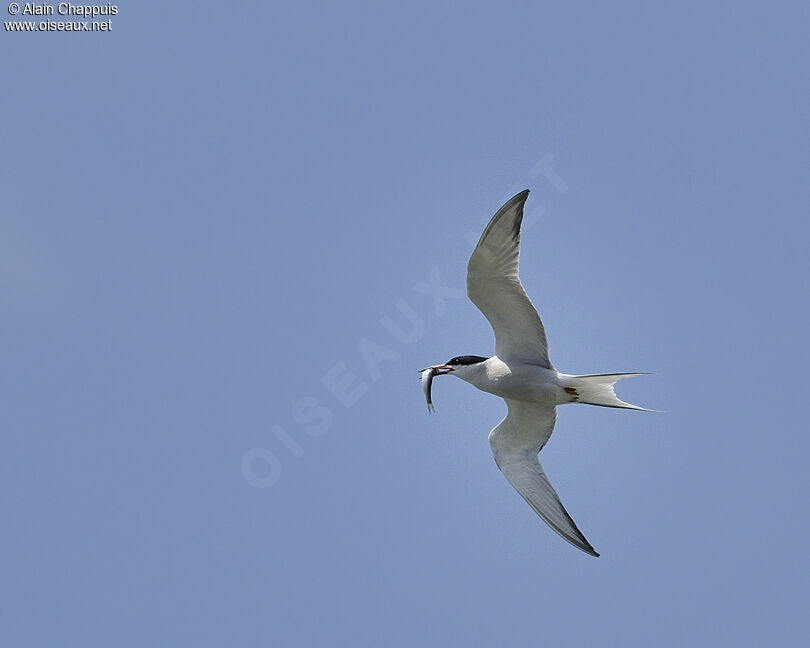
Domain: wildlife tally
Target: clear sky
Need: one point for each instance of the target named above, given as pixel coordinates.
(232, 235)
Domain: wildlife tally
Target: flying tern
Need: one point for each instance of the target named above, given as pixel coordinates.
(520, 372)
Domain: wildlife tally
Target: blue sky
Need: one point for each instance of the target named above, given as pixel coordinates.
(213, 214)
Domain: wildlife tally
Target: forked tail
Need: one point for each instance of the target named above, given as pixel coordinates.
(598, 390)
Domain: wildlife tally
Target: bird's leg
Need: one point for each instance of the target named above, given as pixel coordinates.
(573, 392)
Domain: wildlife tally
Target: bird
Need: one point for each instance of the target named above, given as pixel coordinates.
(521, 372)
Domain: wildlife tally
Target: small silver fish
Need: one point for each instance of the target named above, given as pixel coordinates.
(427, 383)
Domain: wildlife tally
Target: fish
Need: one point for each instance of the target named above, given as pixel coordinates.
(427, 383)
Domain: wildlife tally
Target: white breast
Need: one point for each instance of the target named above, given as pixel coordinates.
(516, 381)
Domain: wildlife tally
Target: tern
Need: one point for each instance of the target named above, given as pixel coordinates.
(520, 372)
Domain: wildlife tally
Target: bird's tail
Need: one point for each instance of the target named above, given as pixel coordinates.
(598, 390)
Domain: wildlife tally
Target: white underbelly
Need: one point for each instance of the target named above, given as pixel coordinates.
(521, 382)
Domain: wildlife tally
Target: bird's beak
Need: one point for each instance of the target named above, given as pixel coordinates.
(441, 369)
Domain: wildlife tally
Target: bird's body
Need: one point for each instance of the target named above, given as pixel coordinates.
(518, 381)
(520, 371)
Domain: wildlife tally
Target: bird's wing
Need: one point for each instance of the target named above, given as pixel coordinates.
(494, 286)
(515, 442)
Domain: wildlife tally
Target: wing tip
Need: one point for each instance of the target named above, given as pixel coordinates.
(580, 542)
(518, 199)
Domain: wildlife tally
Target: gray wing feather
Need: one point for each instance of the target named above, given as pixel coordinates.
(494, 286)
(515, 442)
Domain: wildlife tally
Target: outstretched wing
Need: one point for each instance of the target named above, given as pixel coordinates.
(515, 442)
(494, 286)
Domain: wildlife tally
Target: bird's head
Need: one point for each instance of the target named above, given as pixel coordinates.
(460, 366)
